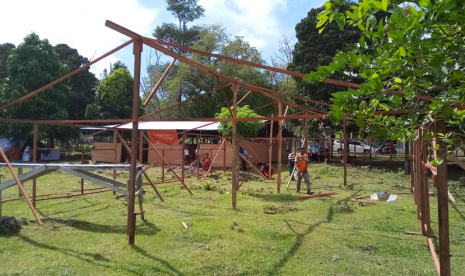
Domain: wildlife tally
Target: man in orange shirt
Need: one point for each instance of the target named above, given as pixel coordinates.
(301, 160)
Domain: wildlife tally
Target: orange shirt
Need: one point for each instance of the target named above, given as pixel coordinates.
(301, 161)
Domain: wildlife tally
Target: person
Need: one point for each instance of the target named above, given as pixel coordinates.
(243, 162)
(265, 170)
(186, 156)
(27, 154)
(290, 163)
(301, 160)
(207, 163)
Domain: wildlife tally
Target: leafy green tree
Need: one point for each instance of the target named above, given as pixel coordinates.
(5, 50)
(114, 97)
(82, 85)
(185, 11)
(33, 64)
(416, 53)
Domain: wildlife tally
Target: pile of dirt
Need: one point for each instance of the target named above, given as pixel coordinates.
(251, 177)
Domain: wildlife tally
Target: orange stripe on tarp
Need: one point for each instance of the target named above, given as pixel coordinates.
(163, 138)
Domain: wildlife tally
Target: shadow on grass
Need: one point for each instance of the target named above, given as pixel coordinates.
(148, 229)
(298, 242)
(458, 211)
(84, 256)
(275, 197)
(172, 269)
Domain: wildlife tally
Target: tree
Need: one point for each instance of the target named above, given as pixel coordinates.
(114, 97)
(185, 11)
(5, 50)
(82, 85)
(417, 52)
(33, 64)
(245, 129)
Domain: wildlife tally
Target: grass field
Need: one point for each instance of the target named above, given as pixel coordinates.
(87, 235)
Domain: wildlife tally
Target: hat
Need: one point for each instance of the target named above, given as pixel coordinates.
(302, 148)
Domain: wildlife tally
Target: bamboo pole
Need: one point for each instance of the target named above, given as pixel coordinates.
(235, 149)
(270, 150)
(280, 144)
(12, 171)
(34, 160)
(137, 49)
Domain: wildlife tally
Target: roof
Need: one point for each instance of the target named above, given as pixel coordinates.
(179, 125)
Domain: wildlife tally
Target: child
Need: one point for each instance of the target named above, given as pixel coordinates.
(206, 163)
(266, 169)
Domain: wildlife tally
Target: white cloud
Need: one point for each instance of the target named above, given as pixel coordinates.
(258, 21)
(80, 24)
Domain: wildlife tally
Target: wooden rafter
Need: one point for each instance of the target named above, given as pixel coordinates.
(160, 81)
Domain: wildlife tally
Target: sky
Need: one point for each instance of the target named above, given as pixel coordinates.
(81, 24)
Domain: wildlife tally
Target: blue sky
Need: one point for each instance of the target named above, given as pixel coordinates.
(80, 24)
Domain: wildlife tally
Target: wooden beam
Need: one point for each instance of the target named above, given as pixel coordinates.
(270, 150)
(235, 148)
(34, 160)
(160, 81)
(443, 204)
(131, 227)
(43, 88)
(245, 96)
(280, 143)
(222, 144)
(317, 195)
(29, 202)
(345, 149)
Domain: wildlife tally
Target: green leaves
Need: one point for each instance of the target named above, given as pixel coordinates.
(245, 129)
(424, 3)
(341, 20)
(385, 4)
(402, 51)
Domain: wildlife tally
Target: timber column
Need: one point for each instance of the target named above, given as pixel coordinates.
(235, 89)
(131, 231)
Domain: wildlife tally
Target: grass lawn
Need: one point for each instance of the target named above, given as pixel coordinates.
(87, 235)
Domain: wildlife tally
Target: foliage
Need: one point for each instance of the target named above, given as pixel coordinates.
(245, 129)
(82, 85)
(5, 50)
(114, 97)
(417, 52)
(185, 11)
(33, 64)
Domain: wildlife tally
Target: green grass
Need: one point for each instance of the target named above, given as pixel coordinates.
(87, 235)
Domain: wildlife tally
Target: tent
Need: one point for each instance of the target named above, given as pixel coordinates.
(11, 148)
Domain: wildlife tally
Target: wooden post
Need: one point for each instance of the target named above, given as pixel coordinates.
(270, 150)
(34, 160)
(82, 180)
(1, 175)
(224, 157)
(345, 149)
(235, 149)
(407, 158)
(443, 203)
(198, 157)
(20, 172)
(131, 231)
(280, 143)
(369, 141)
(141, 147)
(305, 134)
(183, 158)
(115, 147)
(163, 166)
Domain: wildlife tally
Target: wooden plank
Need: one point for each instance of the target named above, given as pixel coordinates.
(87, 167)
(153, 186)
(160, 81)
(185, 225)
(1, 175)
(245, 96)
(34, 160)
(434, 255)
(65, 77)
(103, 178)
(33, 209)
(345, 149)
(316, 195)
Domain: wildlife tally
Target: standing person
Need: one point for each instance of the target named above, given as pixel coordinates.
(290, 163)
(207, 163)
(301, 159)
(243, 162)
(27, 154)
(187, 158)
(197, 157)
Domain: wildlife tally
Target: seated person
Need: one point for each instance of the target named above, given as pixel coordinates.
(266, 169)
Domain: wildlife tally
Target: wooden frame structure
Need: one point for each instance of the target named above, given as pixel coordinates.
(418, 182)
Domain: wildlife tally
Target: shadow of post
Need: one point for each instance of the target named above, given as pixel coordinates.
(172, 269)
(298, 242)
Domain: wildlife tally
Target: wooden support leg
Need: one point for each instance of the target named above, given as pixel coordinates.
(34, 160)
(140, 198)
(20, 172)
(1, 195)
